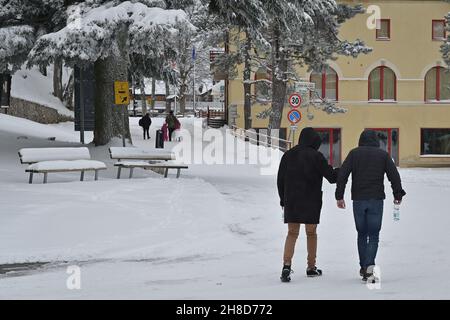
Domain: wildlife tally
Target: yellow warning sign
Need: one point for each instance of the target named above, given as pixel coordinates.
(121, 92)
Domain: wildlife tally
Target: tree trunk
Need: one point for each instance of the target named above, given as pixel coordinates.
(68, 92)
(247, 84)
(43, 70)
(153, 93)
(143, 96)
(167, 95)
(182, 101)
(57, 79)
(111, 121)
(279, 84)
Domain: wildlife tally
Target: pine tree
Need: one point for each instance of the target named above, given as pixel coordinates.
(250, 18)
(107, 33)
(305, 32)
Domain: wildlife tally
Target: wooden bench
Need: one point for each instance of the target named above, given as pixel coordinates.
(49, 160)
(144, 159)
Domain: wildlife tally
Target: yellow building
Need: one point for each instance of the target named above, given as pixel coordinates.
(400, 89)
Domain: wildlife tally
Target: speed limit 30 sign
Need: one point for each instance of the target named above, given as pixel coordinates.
(295, 100)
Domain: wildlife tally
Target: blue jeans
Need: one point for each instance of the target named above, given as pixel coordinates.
(368, 217)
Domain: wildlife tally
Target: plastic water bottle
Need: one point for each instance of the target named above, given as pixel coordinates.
(396, 213)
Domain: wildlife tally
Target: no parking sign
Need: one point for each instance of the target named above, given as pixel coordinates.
(294, 116)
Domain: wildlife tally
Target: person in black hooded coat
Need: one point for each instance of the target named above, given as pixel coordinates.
(368, 164)
(300, 178)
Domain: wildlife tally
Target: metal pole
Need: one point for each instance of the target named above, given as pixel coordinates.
(193, 90)
(293, 129)
(175, 107)
(123, 124)
(81, 107)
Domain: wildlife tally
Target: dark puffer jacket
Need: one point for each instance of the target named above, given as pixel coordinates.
(300, 177)
(368, 164)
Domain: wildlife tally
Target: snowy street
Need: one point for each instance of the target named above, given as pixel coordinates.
(215, 233)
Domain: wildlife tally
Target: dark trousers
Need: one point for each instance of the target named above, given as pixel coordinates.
(171, 130)
(146, 132)
(368, 218)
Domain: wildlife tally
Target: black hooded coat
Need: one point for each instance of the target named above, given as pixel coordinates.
(300, 177)
(368, 164)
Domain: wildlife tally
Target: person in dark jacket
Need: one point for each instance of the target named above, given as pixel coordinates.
(300, 177)
(145, 122)
(368, 164)
(172, 124)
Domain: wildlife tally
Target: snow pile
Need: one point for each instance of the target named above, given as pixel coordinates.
(31, 85)
(29, 155)
(58, 165)
(139, 153)
(25, 128)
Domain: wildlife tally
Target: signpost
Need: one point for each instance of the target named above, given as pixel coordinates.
(5, 91)
(84, 89)
(294, 116)
(122, 98)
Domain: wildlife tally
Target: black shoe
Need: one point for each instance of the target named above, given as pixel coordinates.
(362, 271)
(286, 274)
(313, 272)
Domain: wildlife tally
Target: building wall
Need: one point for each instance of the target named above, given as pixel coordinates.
(410, 53)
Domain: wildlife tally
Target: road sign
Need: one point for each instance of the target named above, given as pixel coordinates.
(84, 90)
(295, 100)
(121, 93)
(294, 116)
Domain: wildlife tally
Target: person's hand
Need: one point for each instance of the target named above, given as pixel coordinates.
(341, 204)
(397, 201)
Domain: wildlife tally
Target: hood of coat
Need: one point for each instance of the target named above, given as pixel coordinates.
(369, 138)
(309, 138)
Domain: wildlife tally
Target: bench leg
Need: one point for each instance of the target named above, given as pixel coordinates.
(96, 175)
(45, 177)
(30, 180)
(131, 173)
(178, 172)
(82, 176)
(166, 172)
(119, 169)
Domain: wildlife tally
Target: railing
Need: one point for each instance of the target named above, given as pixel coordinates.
(210, 114)
(255, 137)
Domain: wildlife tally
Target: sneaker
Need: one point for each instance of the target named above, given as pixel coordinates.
(370, 275)
(313, 272)
(286, 274)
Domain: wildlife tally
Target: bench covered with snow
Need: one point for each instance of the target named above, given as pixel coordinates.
(143, 158)
(46, 160)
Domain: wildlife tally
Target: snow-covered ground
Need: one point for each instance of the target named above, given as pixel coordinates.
(31, 85)
(215, 233)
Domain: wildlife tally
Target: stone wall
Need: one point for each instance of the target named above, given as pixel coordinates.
(35, 112)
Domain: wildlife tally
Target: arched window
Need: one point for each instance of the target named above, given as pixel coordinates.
(327, 83)
(437, 83)
(263, 89)
(382, 84)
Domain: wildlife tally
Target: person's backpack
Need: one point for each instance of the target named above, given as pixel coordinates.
(141, 122)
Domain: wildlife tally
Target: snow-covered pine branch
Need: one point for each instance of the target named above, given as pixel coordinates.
(91, 32)
(15, 43)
